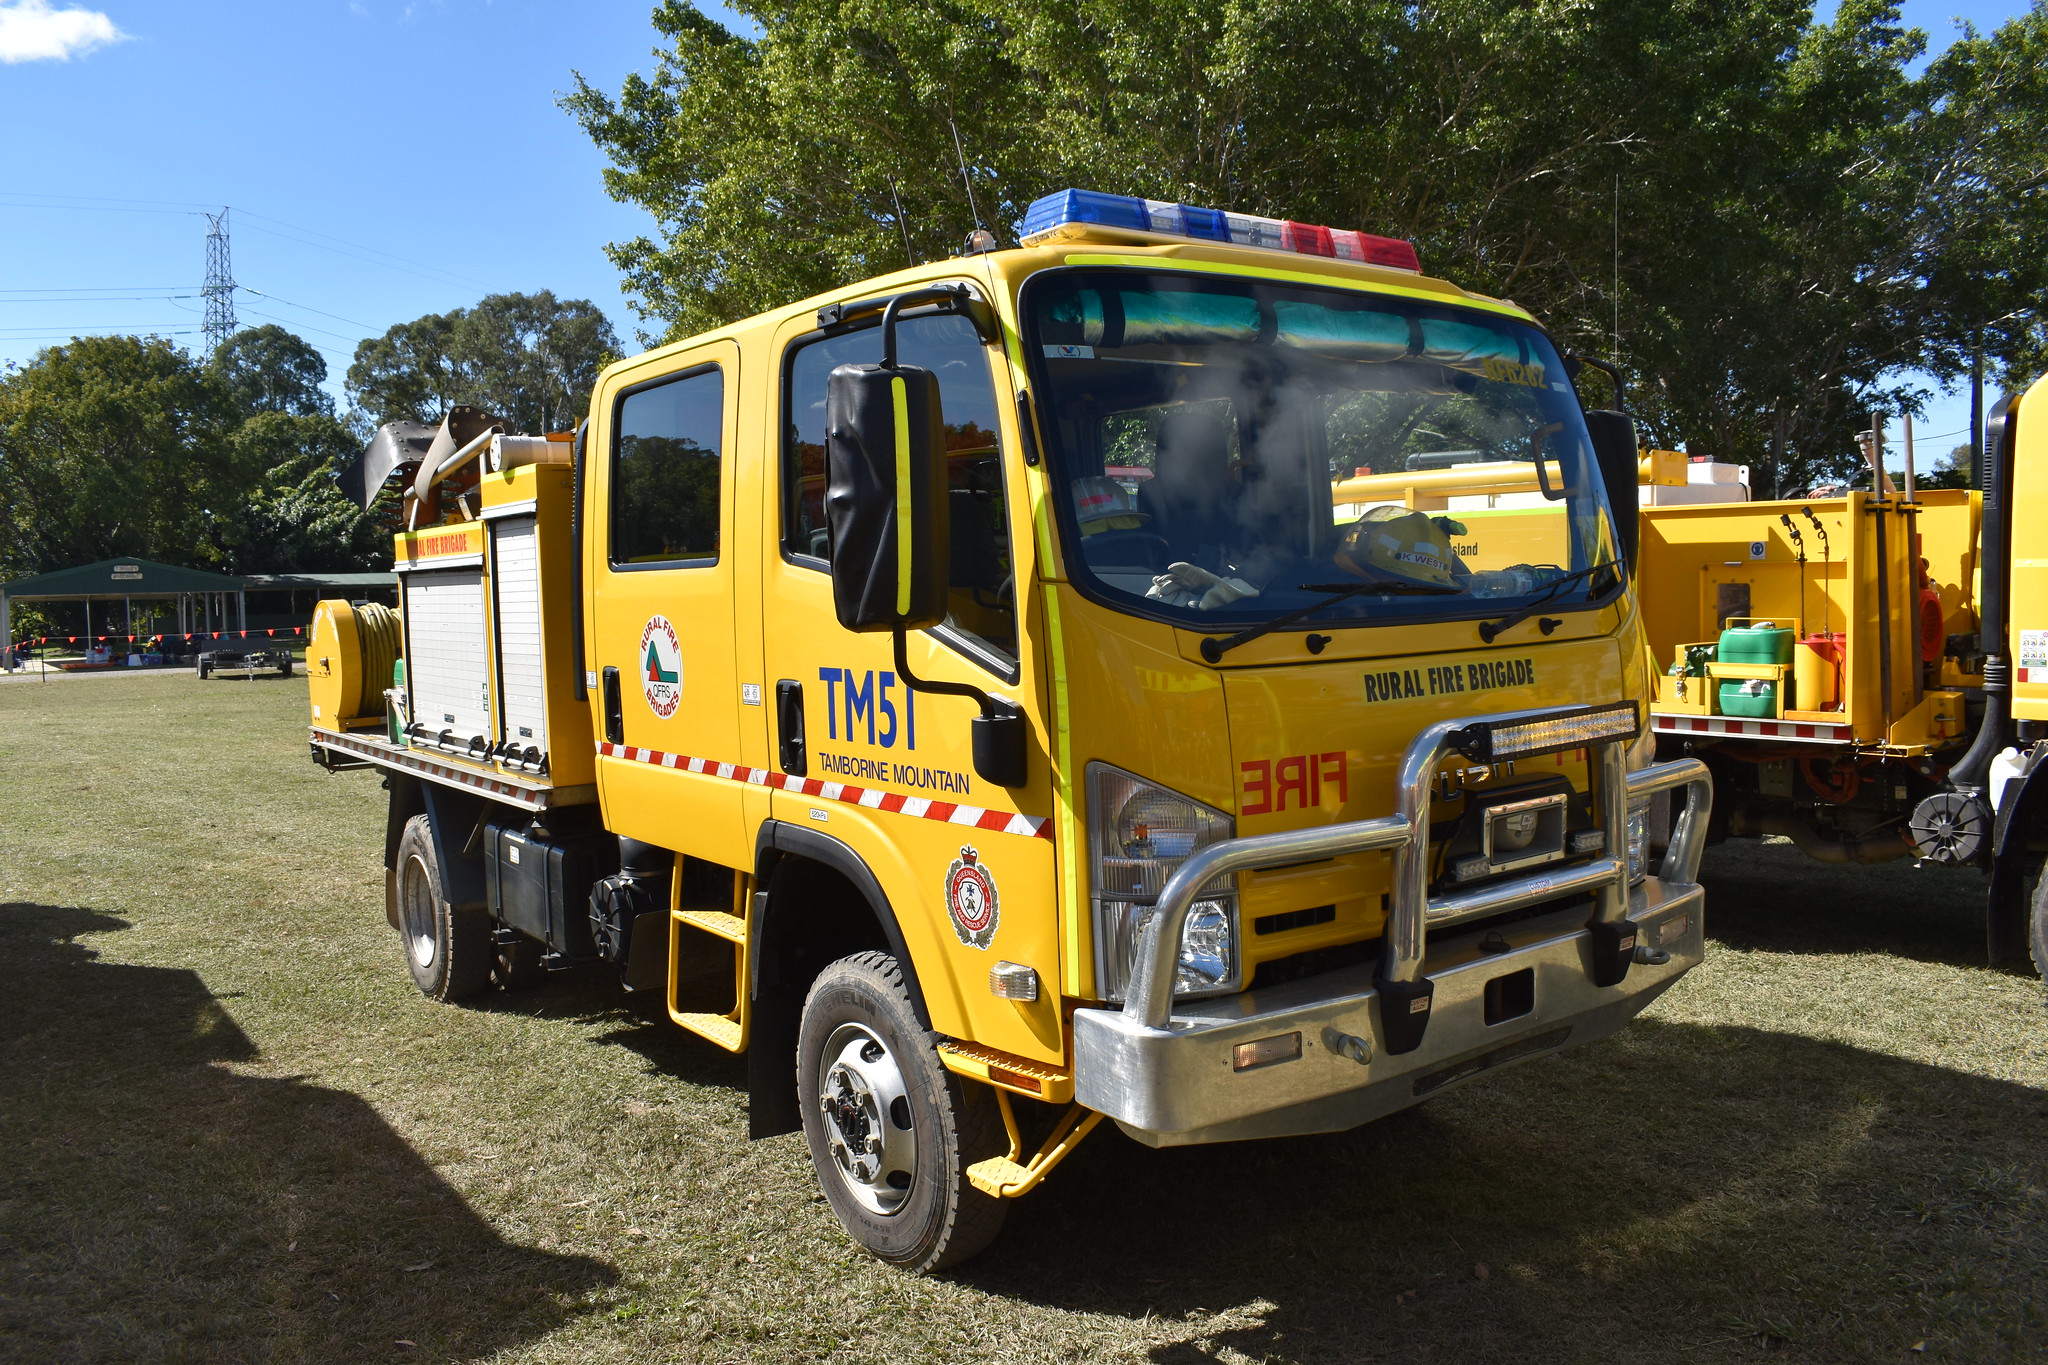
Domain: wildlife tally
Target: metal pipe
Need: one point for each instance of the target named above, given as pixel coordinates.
(1612, 905)
(1909, 457)
(1994, 542)
(1545, 884)
(1682, 855)
(1149, 996)
(430, 475)
(1885, 626)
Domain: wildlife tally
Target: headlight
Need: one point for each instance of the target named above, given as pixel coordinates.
(1138, 834)
(1638, 841)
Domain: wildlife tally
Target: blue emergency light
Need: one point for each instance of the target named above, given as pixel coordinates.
(1165, 219)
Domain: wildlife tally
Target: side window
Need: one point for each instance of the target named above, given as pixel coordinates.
(665, 471)
(983, 603)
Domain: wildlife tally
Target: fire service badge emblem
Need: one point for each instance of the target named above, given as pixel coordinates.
(971, 899)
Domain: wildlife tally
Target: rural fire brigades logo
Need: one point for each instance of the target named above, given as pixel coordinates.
(971, 899)
(661, 667)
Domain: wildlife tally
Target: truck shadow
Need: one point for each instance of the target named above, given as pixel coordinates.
(155, 1205)
(1772, 898)
(1678, 1192)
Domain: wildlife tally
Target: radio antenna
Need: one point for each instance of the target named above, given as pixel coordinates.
(965, 178)
(897, 200)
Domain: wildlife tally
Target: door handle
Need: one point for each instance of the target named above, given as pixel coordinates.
(789, 724)
(614, 709)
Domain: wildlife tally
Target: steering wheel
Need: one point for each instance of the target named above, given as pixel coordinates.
(1157, 551)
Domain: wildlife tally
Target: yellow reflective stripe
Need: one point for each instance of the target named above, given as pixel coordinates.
(901, 397)
(1303, 277)
(1077, 948)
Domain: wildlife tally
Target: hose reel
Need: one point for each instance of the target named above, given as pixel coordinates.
(349, 660)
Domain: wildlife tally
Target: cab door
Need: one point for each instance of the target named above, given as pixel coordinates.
(662, 564)
(967, 866)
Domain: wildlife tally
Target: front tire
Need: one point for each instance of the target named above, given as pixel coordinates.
(448, 950)
(2037, 921)
(890, 1130)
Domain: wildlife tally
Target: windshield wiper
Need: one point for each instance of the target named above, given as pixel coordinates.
(1215, 647)
(1489, 630)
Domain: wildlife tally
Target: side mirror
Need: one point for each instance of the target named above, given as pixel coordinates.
(885, 494)
(1615, 451)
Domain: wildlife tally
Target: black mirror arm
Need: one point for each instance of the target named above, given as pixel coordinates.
(990, 706)
(1613, 373)
(998, 732)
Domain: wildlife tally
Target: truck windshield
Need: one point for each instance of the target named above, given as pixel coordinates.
(1233, 450)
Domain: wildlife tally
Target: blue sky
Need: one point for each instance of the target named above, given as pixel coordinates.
(381, 159)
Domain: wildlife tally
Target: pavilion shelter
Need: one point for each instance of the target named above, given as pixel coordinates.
(204, 599)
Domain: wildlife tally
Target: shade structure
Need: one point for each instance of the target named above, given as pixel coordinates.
(116, 579)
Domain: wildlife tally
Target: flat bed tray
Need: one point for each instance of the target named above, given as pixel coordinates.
(532, 793)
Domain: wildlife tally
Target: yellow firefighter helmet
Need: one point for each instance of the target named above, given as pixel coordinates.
(1402, 543)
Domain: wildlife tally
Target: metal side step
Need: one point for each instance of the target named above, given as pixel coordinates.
(727, 926)
(728, 1030)
(727, 1033)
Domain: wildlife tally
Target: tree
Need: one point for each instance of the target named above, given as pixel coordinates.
(114, 445)
(529, 358)
(267, 369)
(1778, 182)
(295, 518)
(129, 446)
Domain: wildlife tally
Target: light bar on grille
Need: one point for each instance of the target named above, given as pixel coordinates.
(1160, 218)
(1499, 741)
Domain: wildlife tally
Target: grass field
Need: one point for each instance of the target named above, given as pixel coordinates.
(230, 1130)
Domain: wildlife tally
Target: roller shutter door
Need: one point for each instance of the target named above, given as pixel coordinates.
(447, 663)
(522, 702)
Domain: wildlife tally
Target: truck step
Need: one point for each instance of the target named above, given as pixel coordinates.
(992, 1175)
(717, 1027)
(727, 926)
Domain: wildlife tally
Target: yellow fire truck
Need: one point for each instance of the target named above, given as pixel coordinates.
(965, 694)
(1867, 674)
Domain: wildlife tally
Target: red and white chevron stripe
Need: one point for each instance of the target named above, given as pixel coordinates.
(923, 808)
(1761, 729)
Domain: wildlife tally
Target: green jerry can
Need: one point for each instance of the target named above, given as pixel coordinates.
(1760, 642)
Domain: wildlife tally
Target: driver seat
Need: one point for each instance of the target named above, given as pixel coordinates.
(1190, 494)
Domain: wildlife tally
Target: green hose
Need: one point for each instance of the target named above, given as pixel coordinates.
(377, 639)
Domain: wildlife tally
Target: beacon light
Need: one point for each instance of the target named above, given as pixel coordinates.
(1163, 218)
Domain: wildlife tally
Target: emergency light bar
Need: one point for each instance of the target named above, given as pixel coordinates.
(1070, 208)
(1499, 741)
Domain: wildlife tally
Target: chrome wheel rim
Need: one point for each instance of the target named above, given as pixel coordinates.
(866, 1109)
(418, 911)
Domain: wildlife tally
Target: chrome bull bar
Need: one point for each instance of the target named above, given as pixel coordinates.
(1404, 991)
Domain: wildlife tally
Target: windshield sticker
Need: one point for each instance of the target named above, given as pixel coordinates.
(1400, 683)
(971, 900)
(661, 667)
(1510, 372)
(1070, 353)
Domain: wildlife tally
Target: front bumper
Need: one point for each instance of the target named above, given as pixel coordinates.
(1442, 1004)
(1177, 1085)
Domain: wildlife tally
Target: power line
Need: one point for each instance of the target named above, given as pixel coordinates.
(98, 288)
(301, 306)
(106, 298)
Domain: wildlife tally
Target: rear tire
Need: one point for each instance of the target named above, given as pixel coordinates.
(448, 951)
(284, 670)
(205, 665)
(891, 1131)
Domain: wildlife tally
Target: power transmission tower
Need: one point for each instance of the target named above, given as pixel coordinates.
(219, 290)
